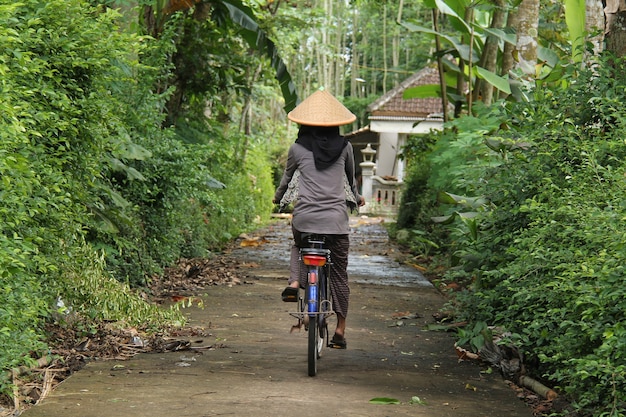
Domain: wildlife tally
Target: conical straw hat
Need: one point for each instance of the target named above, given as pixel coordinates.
(321, 109)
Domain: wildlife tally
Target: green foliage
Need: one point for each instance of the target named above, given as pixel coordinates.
(549, 262)
(418, 204)
(256, 37)
(544, 256)
(459, 158)
(452, 161)
(93, 191)
(358, 106)
(413, 227)
(37, 210)
(64, 68)
(211, 65)
(384, 401)
(469, 33)
(180, 189)
(96, 294)
(475, 337)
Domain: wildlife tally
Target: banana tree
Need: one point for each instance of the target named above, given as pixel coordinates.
(156, 13)
(474, 36)
(478, 38)
(257, 38)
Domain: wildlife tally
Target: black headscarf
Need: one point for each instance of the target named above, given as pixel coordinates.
(325, 142)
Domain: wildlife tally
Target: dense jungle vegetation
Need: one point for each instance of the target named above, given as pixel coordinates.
(135, 133)
(101, 188)
(531, 227)
(522, 200)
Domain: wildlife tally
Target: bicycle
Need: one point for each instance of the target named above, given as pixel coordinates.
(315, 303)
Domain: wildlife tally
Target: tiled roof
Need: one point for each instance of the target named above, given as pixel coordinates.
(392, 103)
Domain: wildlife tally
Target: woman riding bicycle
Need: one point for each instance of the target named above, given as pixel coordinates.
(325, 162)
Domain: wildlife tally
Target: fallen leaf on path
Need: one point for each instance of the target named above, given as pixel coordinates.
(253, 241)
(384, 400)
(406, 315)
(183, 364)
(465, 354)
(417, 400)
(187, 301)
(418, 267)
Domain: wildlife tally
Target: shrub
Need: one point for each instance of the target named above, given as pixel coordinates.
(550, 264)
(66, 69)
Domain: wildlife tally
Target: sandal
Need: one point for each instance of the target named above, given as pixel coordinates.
(290, 295)
(338, 342)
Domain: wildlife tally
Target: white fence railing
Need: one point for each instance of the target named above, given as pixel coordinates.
(385, 196)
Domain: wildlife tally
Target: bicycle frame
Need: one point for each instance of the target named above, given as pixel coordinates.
(315, 306)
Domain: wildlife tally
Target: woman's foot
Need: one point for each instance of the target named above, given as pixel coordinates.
(338, 342)
(340, 330)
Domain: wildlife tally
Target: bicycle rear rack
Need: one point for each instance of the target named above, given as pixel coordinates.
(304, 316)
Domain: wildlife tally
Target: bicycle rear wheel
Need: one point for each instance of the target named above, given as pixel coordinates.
(314, 343)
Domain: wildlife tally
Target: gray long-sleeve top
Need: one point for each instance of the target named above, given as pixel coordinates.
(321, 205)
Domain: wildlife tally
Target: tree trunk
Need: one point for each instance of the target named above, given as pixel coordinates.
(489, 58)
(527, 32)
(354, 59)
(442, 78)
(339, 48)
(594, 24)
(372, 58)
(385, 48)
(397, 46)
(395, 56)
(245, 124)
(508, 62)
(461, 84)
(616, 27)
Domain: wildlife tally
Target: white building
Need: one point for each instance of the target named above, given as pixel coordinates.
(392, 118)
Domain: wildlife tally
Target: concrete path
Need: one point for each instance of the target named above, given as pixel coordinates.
(258, 368)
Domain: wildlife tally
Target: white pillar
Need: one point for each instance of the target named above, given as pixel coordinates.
(367, 172)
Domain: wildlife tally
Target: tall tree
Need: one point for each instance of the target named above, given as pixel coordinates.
(616, 27)
(350, 40)
(527, 36)
(195, 69)
(508, 60)
(489, 58)
(594, 24)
